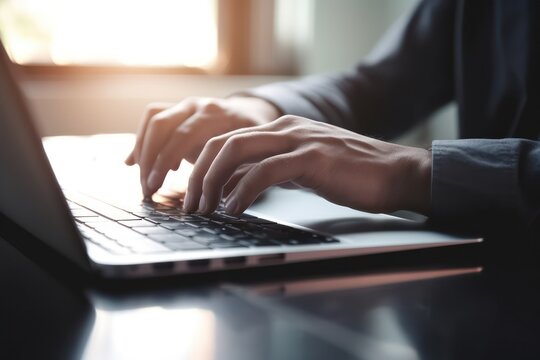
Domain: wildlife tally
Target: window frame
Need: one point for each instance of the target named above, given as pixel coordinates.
(233, 27)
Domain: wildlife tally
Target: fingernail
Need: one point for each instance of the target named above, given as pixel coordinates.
(231, 206)
(202, 204)
(129, 160)
(153, 181)
(188, 206)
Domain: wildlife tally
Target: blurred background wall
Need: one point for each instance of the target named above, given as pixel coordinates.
(286, 39)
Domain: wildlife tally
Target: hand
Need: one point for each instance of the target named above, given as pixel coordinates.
(343, 167)
(170, 133)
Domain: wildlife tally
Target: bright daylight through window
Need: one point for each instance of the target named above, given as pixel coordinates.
(171, 33)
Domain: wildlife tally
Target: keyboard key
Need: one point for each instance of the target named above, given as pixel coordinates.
(136, 223)
(82, 212)
(204, 224)
(93, 219)
(113, 230)
(170, 237)
(110, 246)
(152, 230)
(144, 213)
(142, 245)
(103, 241)
(193, 225)
(186, 232)
(115, 214)
(224, 244)
(205, 238)
(227, 237)
(229, 217)
(149, 247)
(190, 218)
(170, 212)
(102, 208)
(157, 218)
(176, 225)
(258, 242)
(210, 231)
(231, 232)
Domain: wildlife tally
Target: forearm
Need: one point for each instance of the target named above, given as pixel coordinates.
(406, 78)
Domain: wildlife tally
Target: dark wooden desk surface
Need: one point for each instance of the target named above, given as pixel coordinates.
(476, 302)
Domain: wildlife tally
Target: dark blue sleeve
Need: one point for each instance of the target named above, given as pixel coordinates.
(407, 76)
(483, 179)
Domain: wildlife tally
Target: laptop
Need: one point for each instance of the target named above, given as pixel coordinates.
(147, 239)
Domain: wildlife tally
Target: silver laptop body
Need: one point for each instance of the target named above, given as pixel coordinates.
(32, 198)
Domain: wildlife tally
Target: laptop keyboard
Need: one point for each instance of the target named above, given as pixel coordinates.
(158, 228)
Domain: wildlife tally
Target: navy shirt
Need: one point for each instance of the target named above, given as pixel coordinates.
(480, 54)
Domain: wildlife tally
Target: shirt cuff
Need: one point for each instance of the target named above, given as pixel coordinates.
(474, 179)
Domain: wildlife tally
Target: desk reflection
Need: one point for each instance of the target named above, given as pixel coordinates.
(361, 314)
(152, 333)
(259, 321)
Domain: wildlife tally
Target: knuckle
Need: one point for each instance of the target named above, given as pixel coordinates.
(211, 106)
(152, 108)
(235, 142)
(181, 132)
(159, 120)
(189, 100)
(288, 120)
(293, 132)
(214, 143)
(313, 153)
(264, 168)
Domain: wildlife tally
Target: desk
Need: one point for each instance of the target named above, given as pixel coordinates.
(366, 310)
(476, 301)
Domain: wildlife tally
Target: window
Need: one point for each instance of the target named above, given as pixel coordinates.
(143, 33)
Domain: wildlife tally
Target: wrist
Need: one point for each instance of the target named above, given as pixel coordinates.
(417, 192)
(259, 110)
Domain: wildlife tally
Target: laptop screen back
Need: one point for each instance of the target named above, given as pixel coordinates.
(29, 193)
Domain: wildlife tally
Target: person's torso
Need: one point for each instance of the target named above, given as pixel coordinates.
(495, 73)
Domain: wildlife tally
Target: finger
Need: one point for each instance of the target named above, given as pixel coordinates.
(130, 160)
(157, 135)
(235, 178)
(271, 171)
(207, 155)
(213, 171)
(180, 143)
(152, 110)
